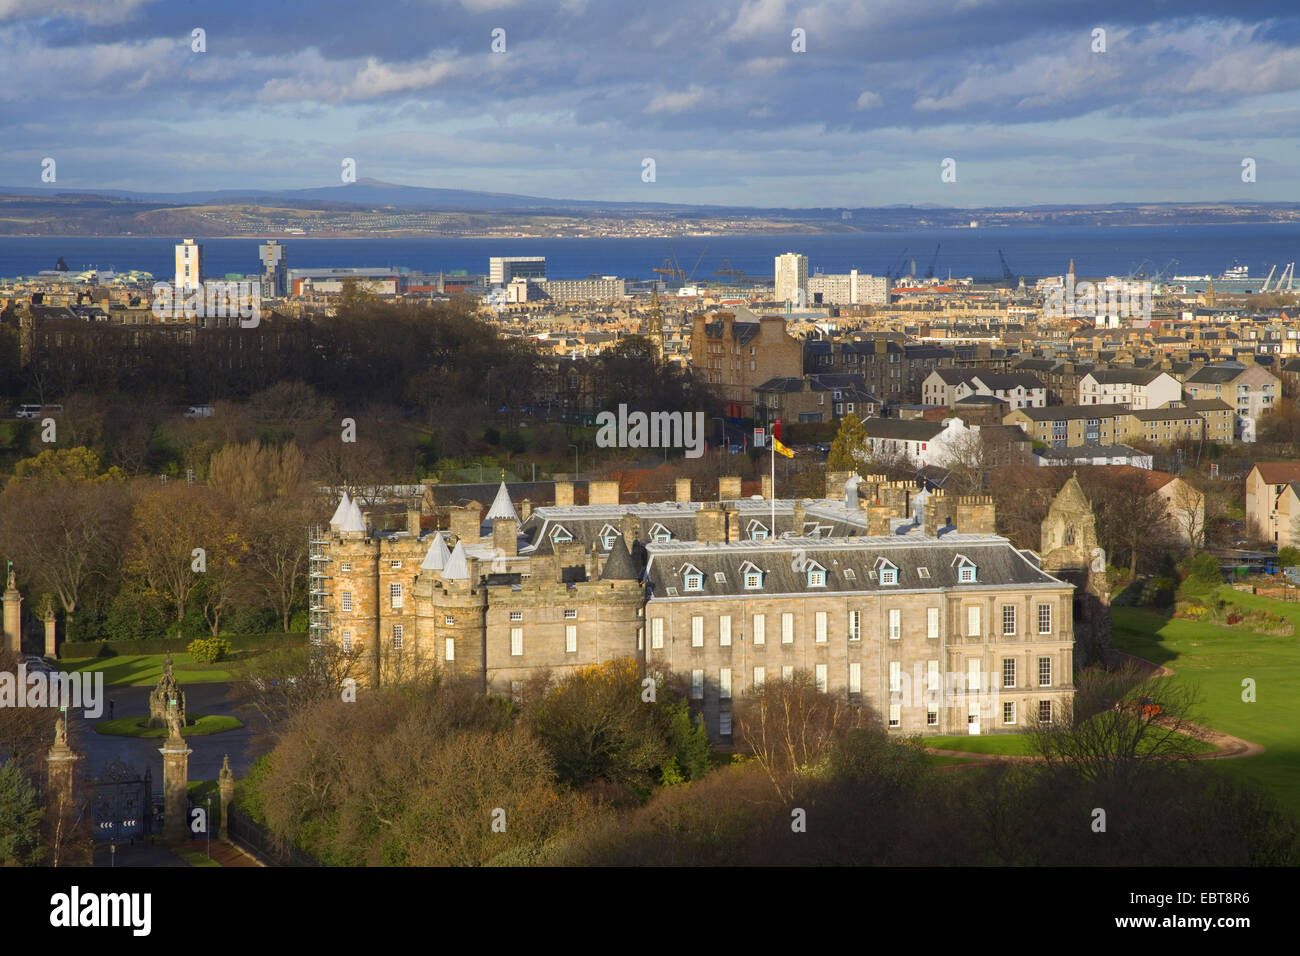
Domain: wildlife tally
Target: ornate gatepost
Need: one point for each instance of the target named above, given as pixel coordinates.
(176, 777)
(226, 784)
(51, 646)
(59, 764)
(166, 697)
(13, 615)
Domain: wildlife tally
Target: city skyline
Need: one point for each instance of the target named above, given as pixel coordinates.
(583, 94)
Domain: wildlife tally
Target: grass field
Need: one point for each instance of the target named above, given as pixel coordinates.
(127, 670)
(138, 726)
(1005, 744)
(1217, 660)
(195, 858)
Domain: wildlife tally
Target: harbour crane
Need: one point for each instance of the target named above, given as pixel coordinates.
(896, 271)
(670, 270)
(1264, 287)
(733, 275)
(1008, 276)
(929, 272)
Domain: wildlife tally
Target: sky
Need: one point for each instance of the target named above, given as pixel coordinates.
(1031, 103)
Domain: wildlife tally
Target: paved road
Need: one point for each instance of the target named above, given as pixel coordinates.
(205, 761)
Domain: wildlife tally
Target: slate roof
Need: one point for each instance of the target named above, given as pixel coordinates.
(1215, 374)
(998, 564)
(1125, 376)
(1278, 472)
(1059, 413)
(620, 566)
(899, 430)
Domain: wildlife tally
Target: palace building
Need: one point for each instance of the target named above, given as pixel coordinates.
(901, 598)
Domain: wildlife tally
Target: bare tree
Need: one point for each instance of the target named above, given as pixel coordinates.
(1119, 722)
(789, 725)
(1187, 512)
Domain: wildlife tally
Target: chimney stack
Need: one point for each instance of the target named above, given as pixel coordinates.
(728, 487)
(413, 520)
(767, 487)
(602, 492)
(711, 523)
(683, 489)
(975, 515)
(505, 536)
(465, 522)
(564, 494)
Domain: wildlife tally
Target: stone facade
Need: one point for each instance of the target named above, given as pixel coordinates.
(680, 586)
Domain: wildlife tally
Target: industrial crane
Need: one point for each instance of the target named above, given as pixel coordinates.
(733, 275)
(929, 273)
(1007, 275)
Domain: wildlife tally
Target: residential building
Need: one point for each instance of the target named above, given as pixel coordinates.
(813, 398)
(948, 386)
(1271, 511)
(920, 442)
(189, 265)
(1069, 426)
(792, 278)
(275, 272)
(1134, 387)
(851, 288)
(735, 356)
(1250, 390)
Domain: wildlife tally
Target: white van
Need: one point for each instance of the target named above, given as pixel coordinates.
(200, 411)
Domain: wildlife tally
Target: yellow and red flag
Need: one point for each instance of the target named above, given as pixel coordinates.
(781, 449)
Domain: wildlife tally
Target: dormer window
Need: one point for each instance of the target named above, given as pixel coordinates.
(560, 534)
(660, 534)
(692, 578)
(608, 535)
(966, 570)
(757, 531)
(816, 575)
(888, 571)
(753, 576)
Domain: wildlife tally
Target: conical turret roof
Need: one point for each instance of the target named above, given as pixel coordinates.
(341, 511)
(502, 506)
(457, 567)
(438, 554)
(354, 520)
(619, 566)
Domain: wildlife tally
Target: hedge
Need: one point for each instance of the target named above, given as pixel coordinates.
(176, 645)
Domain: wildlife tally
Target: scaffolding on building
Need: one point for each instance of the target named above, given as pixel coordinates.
(318, 584)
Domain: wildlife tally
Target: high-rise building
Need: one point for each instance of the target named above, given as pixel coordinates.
(852, 288)
(502, 269)
(792, 278)
(275, 271)
(189, 265)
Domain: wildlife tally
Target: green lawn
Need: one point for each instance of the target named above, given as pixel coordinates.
(195, 858)
(137, 726)
(940, 760)
(1006, 744)
(136, 669)
(1217, 660)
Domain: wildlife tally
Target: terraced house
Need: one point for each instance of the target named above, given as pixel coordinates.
(892, 596)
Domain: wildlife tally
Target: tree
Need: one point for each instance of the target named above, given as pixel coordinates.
(1117, 723)
(848, 447)
(599, 727)
(171, 521)
(63, 525)
(1187, 512)
(789, 725)
(20, 817)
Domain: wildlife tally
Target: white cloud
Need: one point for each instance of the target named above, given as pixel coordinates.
(676, 102)
(868, 99)
(94, 11)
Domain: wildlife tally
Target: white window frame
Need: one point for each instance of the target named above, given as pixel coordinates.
(855, 625)
(760, 675)
(1008, 672)
(932, 675)
(973, 622)
(398, 634)
(395, 595)
(855, 678)
(1045, 664)
(931, 622)
(724, 631)
(759, 626)
(895, 715)
(516, 615)
(895, 624)
(932, 717)
(516, 642)
(1008, 620)
(787, 672)
(1008, 713)
(819, 675)
(819, 627)
(697, 630)
(570, 638)
(347, 642)
(724, 723)
(697, 684)
(449, 649)
(724, 683)
(345, 601)
(895, 677)
(787, 627)
(1044, 610)
(656, 633)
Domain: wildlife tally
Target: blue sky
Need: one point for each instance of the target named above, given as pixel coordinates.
(710, 89)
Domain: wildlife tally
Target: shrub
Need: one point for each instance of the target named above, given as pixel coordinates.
(1288, 557)
(209, 650)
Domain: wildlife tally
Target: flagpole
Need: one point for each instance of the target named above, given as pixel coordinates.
(773, 443)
